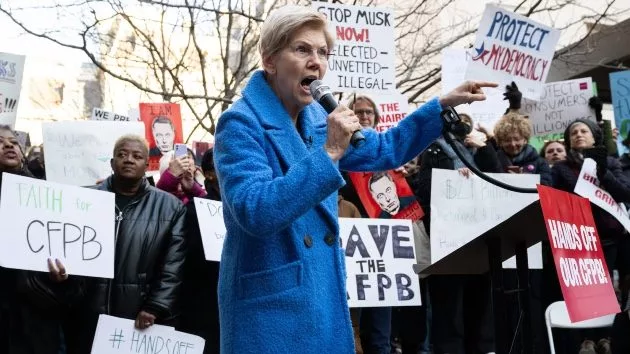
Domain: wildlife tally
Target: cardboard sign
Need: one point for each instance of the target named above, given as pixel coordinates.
(118, 335)
(464, 208)
(379, 262)
(587, 186)
(486, 113)
(211, 227)
(163, 129)
(100, 114)
(620, 91)
(560, 104)
(392, 109)
(45, 220)
(364, 55)
(79, 152)
(510, 47)
(586, 284)
(11, 72)
(386, 195)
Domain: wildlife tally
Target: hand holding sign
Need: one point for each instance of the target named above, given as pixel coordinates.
(468, 92)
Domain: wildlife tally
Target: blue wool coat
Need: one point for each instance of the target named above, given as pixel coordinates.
(282, 284)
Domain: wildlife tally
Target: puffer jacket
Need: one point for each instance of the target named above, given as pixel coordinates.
(150, 253)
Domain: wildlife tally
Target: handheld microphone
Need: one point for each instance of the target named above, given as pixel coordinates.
(322, 94)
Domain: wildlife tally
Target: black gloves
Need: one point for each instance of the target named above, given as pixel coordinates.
(596, 104)
(600, 155)
(513, 95)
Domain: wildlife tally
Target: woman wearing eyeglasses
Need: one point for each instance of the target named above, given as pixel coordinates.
(278, 154)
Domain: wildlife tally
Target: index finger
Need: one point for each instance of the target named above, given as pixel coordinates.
(60, 266)
(485, 84)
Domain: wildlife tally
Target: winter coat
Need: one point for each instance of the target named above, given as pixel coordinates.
(199, 302)
(531, 162)
(150, 254)
(171, 184)
(565, 175)
(282, 285)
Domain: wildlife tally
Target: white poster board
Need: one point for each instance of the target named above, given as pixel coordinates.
(392, 109)
(79, 152)
(464, 208)
(364, 55)
(560, 104)
(510, 47)
(487, 112)
(211, 226)
(101, 114)
(43, 220)
(587, 186)
(380, 254)
(118, 335)
(11, 73)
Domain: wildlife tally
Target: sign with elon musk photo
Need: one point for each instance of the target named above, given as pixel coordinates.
(386, 195)
(163, 129)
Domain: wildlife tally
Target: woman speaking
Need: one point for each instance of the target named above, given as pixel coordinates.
(277, 155)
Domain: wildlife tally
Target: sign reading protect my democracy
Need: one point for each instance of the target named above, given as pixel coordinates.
(510, 47)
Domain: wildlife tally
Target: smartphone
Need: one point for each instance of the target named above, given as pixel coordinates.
(181, 150)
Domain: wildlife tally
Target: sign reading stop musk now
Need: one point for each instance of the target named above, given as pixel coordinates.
(584, 278)
(510, 47)
(364, 55)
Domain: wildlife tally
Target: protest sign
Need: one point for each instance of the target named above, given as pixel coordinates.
(79, 152)
(587, 186)
(200, 148)
(211, 227)
(379, 262)
(364, 54)
(118, 335)
(620, 91)
(487, 112)
(163, 129)
(464, 208)
(43, 220)
(11, 71)
(386, 195)
(586, 284)
(100, 114)
(560, 104)
(392, 108)
(510, 47)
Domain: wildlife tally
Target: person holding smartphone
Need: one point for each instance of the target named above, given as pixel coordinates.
(179, 177)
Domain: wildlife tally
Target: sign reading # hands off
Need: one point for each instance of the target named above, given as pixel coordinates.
(43, 220)
(118, 335)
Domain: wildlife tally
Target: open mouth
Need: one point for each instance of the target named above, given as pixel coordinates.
(306, 82)
(10, 154)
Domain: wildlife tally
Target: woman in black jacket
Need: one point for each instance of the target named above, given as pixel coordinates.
(31, 303)
(511, 135)
(584, 138)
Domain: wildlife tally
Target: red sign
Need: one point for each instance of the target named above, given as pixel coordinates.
(586, 284)
(163, 129)
(386, 195)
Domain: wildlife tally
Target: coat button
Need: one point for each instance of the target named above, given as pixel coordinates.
(329, 239)
(308, 241)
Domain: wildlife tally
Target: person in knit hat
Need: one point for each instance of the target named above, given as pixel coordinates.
(584, 139)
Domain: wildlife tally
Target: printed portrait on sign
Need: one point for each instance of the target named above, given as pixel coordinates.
(163, 129)
(386, 195)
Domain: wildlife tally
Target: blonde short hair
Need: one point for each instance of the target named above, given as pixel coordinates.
(131, 138)
(281, 25)
(512, 123)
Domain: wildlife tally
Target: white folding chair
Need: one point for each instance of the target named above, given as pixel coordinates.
(557, 316)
